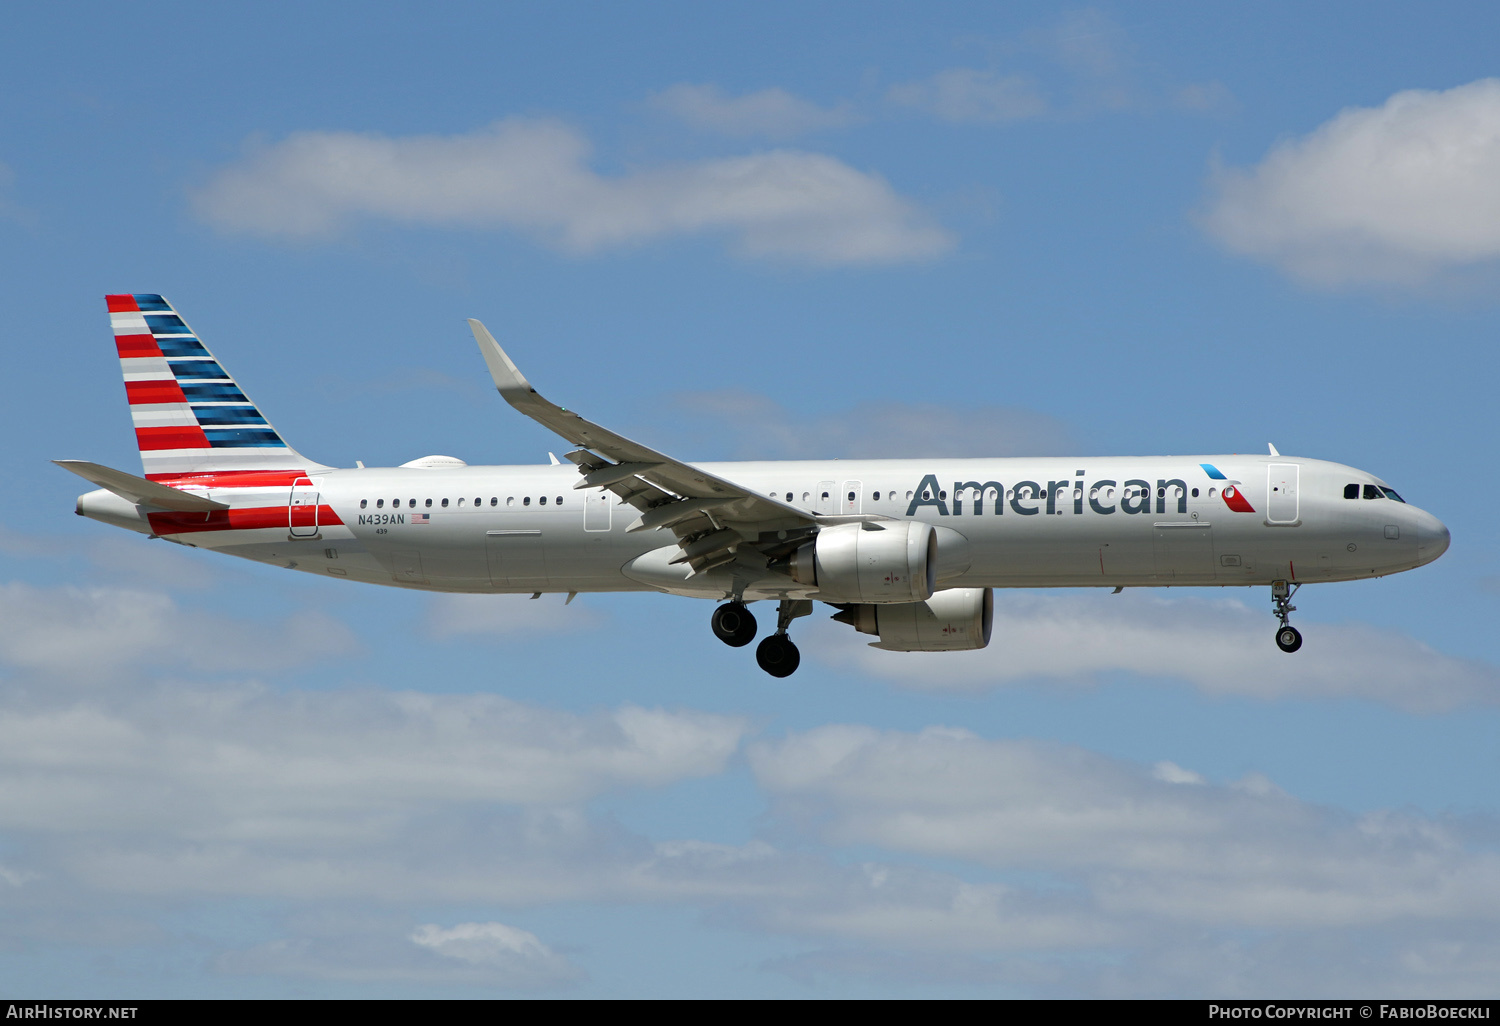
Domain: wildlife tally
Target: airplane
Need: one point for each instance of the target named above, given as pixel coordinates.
(906, 550)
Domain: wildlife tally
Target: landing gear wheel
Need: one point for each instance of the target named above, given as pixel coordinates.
(1288, 638)
(778, 656)
(734, 625)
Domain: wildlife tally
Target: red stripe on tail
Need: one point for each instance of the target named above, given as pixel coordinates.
(162, 390)
(136, 345)
(151, 439)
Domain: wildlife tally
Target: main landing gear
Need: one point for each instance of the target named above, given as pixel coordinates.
(1288, 638)
(734, 625)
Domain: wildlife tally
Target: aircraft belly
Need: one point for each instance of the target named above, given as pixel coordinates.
(1183, 552)
(516, 558)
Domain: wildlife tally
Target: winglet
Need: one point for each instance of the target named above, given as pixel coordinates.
(509, 380)
(1273, 449)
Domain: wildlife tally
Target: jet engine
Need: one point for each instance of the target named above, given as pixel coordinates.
(951, 621)
(879, 561)
(887, 561)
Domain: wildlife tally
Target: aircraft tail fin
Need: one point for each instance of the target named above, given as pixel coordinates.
(190, 416)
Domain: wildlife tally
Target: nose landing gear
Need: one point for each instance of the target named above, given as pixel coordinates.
(1288, 638)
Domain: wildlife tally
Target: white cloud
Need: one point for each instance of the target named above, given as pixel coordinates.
(1081, 64)
(474, 954)
(1395, 193)
(514, 954)
(1224, 856)
(1171, 773)
(533, 176)
(1218, 646)
(246, 765)
(86, 634)
(972, 96)
(771, 113)
(370, 799)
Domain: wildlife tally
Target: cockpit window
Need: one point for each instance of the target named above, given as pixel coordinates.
(1351, 491)
(1372, 492)
(1390, 493)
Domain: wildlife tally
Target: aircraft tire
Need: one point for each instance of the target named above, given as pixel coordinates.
(778, 656)
(1288, 638)
(733, 624)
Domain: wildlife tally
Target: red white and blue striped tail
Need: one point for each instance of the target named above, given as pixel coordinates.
(190, 416)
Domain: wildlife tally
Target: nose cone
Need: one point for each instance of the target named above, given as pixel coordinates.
(1432, 538)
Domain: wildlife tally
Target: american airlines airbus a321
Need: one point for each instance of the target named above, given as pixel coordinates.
(906, 550)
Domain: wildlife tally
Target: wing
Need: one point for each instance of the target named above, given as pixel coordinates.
(716, 521)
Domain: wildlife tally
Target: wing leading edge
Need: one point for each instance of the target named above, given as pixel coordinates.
(717, 522)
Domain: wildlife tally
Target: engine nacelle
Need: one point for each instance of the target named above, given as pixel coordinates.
(884, 561)
(951, 621)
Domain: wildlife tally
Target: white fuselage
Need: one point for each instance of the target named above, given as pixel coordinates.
(1033, 522)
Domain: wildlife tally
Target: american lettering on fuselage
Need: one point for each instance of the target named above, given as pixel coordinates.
(905, 550)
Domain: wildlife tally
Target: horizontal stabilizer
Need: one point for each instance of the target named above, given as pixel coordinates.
(138, 490)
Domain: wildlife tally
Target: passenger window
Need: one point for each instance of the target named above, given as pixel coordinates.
(1195, 493)
(363, 503)
(1371, 492)
(876, 496)
(1351, 491)
(494, 500)
(510, 500)
(788, 496)
(526, 501)
(429, 502)
(558, 501)
(445, 503)
(851, 496)
(542, 500)
(379, 503)
(943, 495)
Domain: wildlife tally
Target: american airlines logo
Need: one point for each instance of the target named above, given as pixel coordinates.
(1028, 498)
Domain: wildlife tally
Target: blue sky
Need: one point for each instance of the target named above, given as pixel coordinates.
(752, 231)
